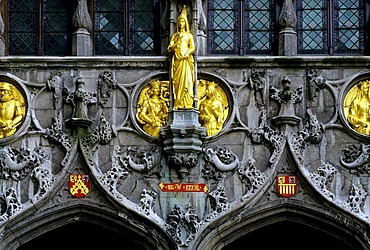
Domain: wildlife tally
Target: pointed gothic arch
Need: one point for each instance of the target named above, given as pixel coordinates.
(241, 226)
(64, 222)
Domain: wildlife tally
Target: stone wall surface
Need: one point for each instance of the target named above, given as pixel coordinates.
(286, 118)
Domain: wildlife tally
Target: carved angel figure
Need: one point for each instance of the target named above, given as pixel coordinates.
(152, 107)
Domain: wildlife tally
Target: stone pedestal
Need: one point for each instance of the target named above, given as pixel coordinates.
(82, 43)
(287, 42)
(183, 140)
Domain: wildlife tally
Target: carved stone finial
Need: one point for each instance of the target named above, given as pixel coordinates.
(287, 36)
(286, 98)
(81, 17)
(287, 18)
(81, 40)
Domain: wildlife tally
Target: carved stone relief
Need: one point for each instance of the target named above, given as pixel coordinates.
(270, 125)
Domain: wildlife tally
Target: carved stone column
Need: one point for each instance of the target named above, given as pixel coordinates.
(200, 27)
(287, 36)
(81, 40)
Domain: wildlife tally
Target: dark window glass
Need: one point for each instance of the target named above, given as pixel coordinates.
(57, 27)
(331, 27)
(39, 27)
(109, 27)
(126, 28)
(23, 18)
(237, 27)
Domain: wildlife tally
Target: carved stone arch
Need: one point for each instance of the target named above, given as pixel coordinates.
(348, 232)
(122, 225)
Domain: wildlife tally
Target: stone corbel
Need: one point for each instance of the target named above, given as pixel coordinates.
(183, 141)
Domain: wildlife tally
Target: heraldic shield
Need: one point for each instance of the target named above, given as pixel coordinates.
(286, 185)
(79, 185)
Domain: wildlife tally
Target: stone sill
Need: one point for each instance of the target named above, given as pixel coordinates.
(203, 61)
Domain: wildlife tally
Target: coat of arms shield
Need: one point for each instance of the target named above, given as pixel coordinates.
(79, 184)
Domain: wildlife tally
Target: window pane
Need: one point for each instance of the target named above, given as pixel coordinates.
(57, 29)
(108, 27)
(258, 26)
(223, 25)
(144, 27)
(312, 27)
(139, 35)
(349, 28)
(23, 20)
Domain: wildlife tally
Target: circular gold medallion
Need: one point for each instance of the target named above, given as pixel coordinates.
(357, 107)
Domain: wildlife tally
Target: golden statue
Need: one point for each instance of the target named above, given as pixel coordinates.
(152, 107)
(213, 106)
(182, 64)
(12, 109)
(357, 107)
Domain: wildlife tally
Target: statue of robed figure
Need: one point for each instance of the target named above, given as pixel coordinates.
(182, 65)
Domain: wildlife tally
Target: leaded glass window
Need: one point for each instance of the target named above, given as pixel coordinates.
(223, 36)
(312, 28)
(126, 27)
(143, 26)
(240, 27)
(349, 26)
(331, 27)
(39, 27)
(57, 27)
(109, 26)
(259, 26)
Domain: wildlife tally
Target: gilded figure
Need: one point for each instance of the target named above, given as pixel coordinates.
(357, 107)
(213, 106)
(182, 65)
(12, 112)
(152, 107)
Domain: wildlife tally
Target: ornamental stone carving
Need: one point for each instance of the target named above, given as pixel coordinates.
(91, 120)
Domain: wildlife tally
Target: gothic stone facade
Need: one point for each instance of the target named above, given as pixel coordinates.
(286, 118)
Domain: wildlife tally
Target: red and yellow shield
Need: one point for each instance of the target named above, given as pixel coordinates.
(286, 185)
(79, 185)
